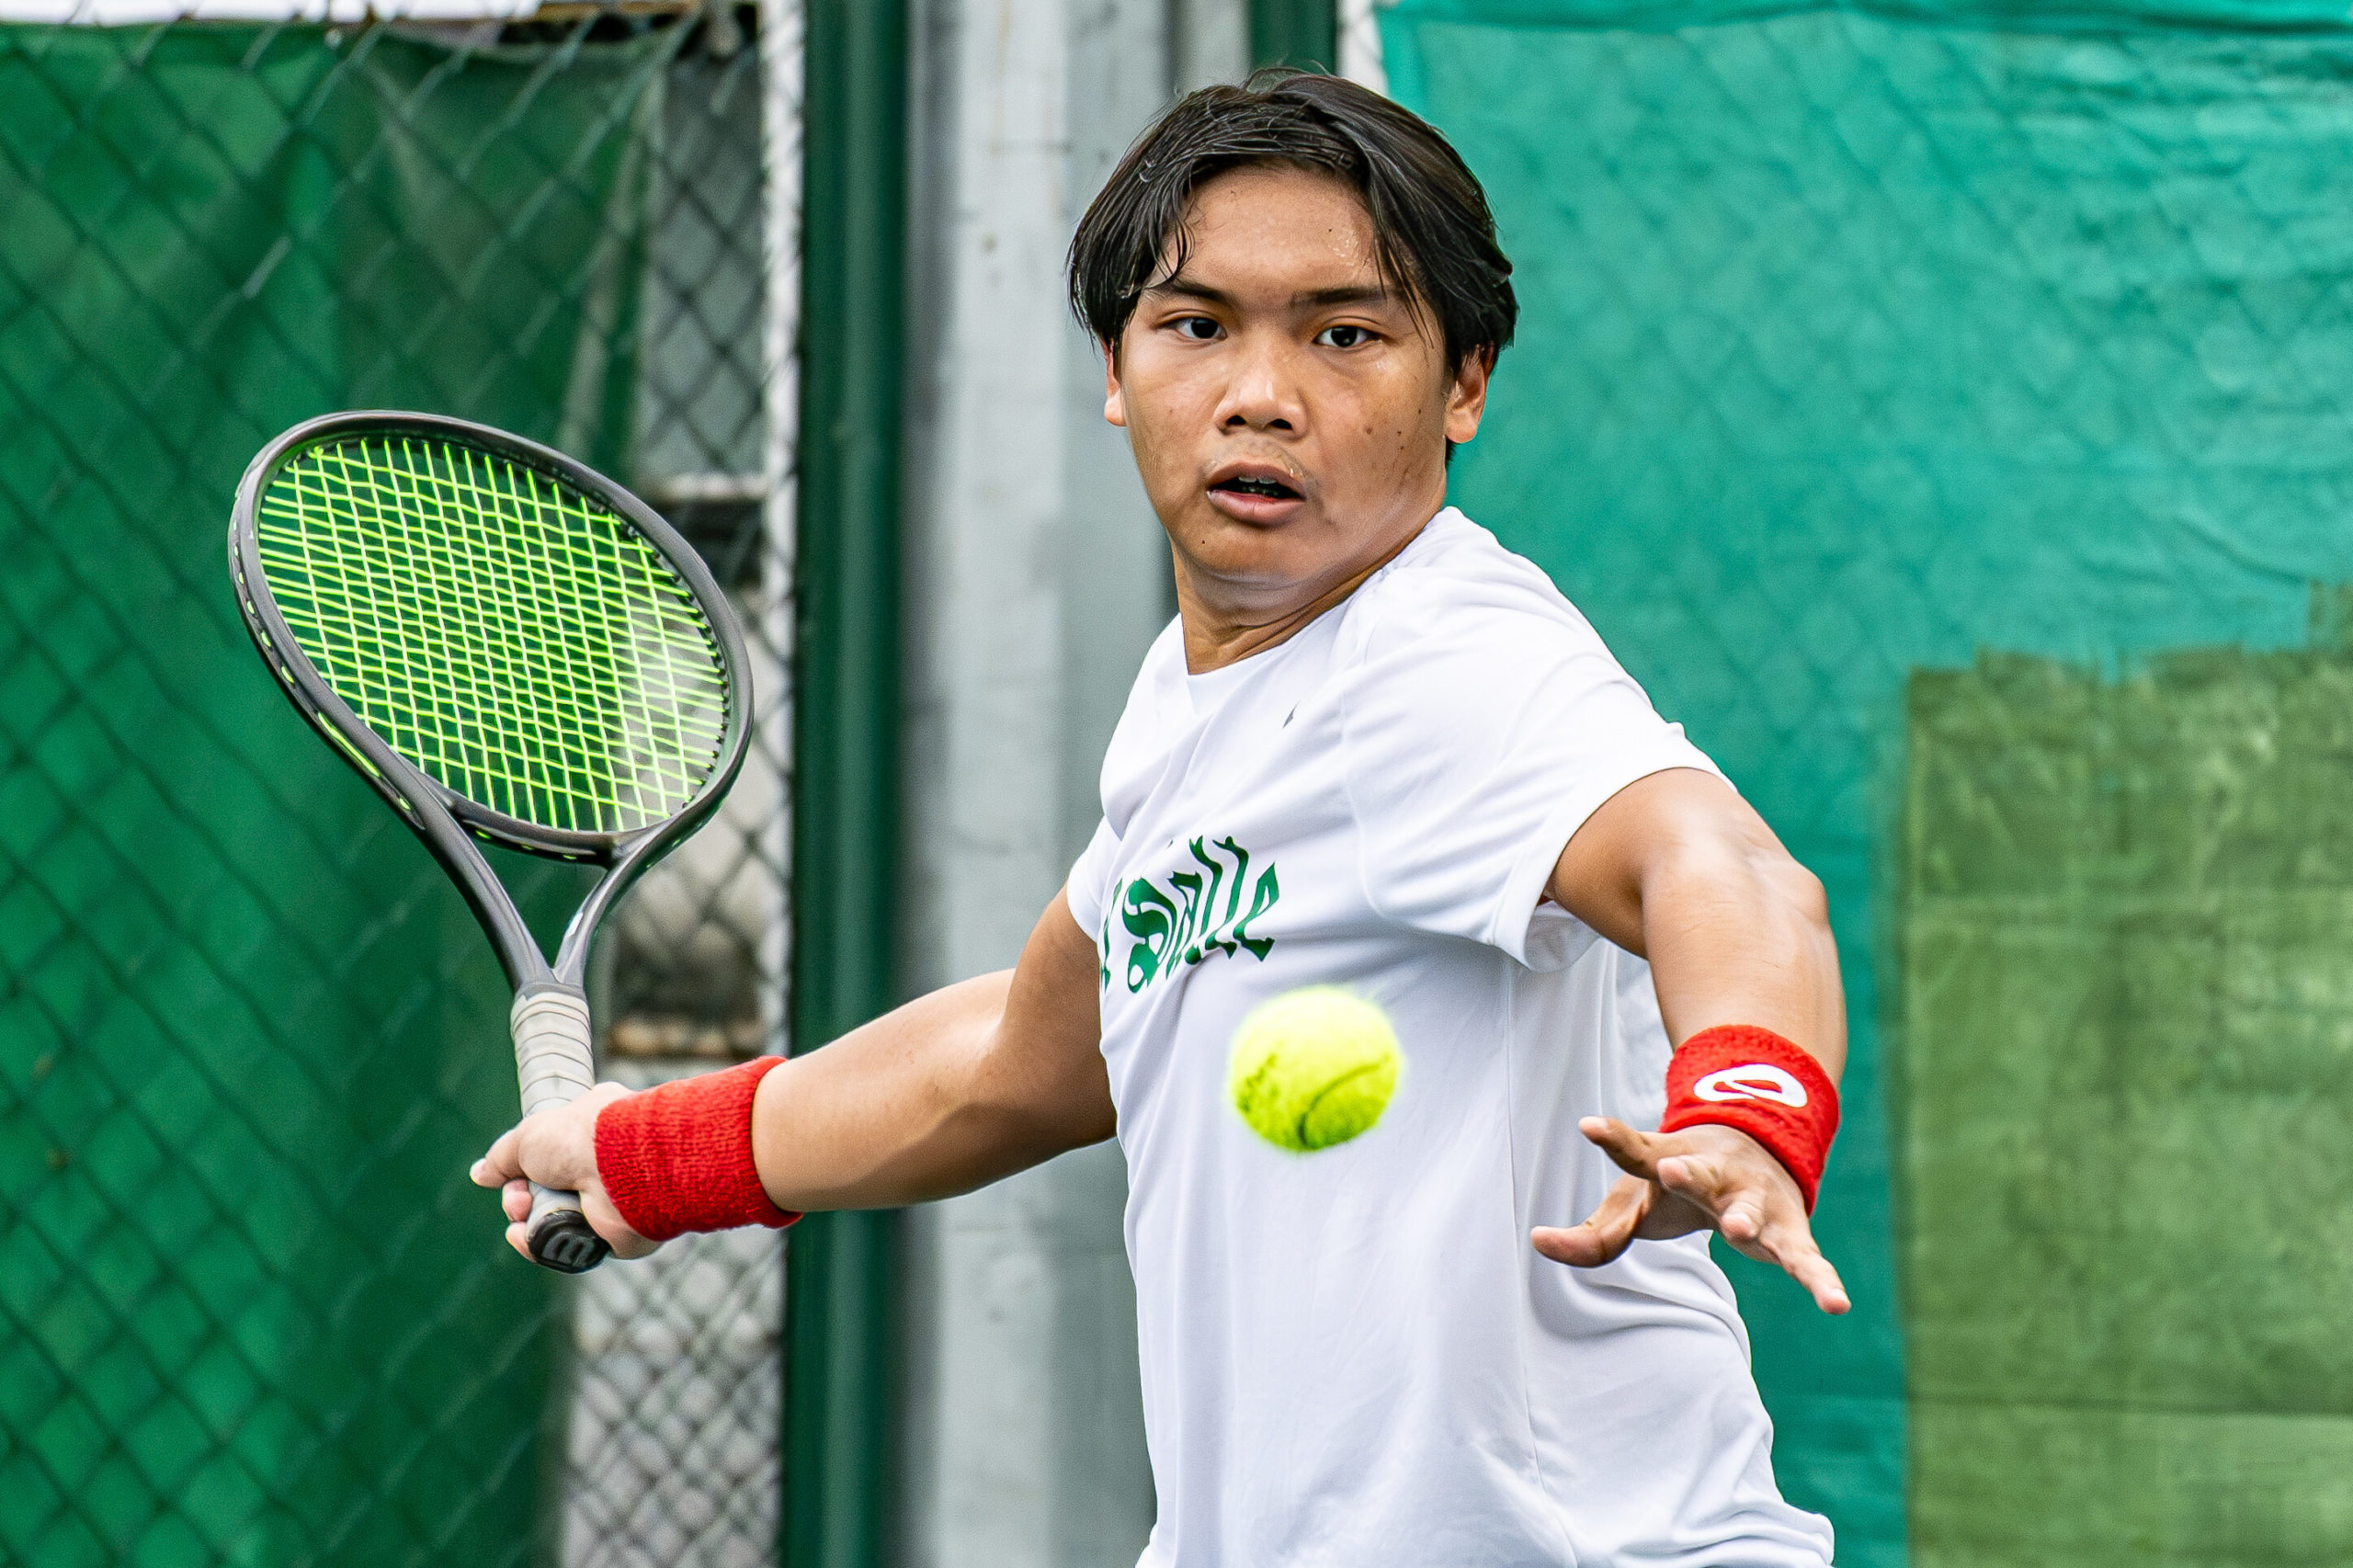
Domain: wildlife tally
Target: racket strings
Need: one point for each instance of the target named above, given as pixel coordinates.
(511, 637)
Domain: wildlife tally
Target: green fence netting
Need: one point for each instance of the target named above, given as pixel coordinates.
(1858, 344)
(250, 1311)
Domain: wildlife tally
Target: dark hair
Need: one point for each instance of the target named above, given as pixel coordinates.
(1433, 234)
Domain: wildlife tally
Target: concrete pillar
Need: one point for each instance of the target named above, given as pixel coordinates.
(1209, 41)
(1037, 576)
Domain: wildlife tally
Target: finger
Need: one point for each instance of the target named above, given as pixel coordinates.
(1756, 1207)
(1604, 1234)
(1672, 1214)
(1771, 1226)
(1790, 1243)
(603, 1218)
(558, 1148)
(502, 1164)
(1634, 1153)
(1821, 1281)
(1734, 1205)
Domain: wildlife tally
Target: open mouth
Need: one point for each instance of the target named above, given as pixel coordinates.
(1250, 485)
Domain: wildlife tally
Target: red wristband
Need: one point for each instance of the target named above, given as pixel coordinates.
(677, 1157)
(1736, 1075)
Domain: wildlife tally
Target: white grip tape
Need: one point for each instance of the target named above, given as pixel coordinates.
(552, 1055)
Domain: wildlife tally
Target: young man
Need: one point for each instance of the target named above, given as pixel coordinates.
(1416, 772)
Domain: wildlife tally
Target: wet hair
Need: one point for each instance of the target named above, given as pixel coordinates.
(1433, 237)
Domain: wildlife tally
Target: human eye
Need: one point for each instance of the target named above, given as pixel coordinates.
(1195, 329)
(1346, 336)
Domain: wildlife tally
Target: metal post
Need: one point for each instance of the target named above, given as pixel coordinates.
(781, 38)
(838, 1291)
(1295, 32)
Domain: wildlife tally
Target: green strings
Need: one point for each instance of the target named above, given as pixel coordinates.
(511, 637)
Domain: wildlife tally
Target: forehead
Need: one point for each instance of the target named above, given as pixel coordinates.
(1278, 224)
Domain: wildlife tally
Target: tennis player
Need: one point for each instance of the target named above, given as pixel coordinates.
(1376, 750)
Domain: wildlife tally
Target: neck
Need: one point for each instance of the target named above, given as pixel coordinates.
(1226, 624)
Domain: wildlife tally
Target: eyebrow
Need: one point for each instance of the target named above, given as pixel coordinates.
(1312, 298)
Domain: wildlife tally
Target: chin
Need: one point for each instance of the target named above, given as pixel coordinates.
(1242, 553)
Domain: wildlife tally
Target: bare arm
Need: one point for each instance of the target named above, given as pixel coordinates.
(955, 1089)
(1678, 869)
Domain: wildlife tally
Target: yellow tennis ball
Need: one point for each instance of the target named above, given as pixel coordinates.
(1313, 1067)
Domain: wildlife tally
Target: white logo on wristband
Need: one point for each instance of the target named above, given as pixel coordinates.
(1757, 1081)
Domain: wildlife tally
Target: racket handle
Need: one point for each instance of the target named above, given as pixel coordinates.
(554, 1065)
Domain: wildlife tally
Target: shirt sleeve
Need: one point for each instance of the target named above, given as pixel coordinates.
(1476, 741)
(1085, 888)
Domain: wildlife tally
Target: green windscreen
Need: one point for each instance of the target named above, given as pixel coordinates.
(512, 636)
(1865, 350)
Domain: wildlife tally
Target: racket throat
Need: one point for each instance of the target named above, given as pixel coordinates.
(571, 966)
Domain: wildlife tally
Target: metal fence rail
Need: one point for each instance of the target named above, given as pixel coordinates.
(250, 1311)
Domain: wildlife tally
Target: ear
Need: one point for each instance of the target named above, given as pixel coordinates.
(1466, 400)
(1114, 407)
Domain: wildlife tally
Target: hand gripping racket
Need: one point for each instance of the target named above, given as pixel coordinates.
(509, 647)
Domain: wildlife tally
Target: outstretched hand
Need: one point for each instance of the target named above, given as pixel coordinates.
(1702, 1179)
(557, 1148)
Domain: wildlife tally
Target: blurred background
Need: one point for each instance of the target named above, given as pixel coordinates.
(1941, 405)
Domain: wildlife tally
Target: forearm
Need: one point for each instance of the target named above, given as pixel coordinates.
(1677, 868)
(1739, 934)
(953, 1091)
(898, 1111)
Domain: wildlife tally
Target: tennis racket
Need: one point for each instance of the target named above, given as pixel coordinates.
(509, 648)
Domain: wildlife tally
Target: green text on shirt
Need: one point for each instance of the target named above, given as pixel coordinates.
(1182, 924)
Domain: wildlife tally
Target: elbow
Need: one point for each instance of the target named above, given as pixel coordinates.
(1755, 872)
(1796, 889)
(1764, 889)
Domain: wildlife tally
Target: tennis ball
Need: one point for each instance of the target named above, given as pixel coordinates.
(1313, 1067)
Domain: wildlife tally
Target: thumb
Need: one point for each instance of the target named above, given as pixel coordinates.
(502, 1162)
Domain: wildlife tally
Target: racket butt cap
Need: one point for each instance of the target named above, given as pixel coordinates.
(562, 1241)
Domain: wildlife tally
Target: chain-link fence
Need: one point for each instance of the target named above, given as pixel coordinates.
(250, 1310)
(1941, 408)
(678, 1411)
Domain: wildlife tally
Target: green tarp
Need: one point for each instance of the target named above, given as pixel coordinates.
(2128, 1110)
(250, 1312)
(1858, 343)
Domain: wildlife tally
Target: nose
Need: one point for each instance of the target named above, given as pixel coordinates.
(1263, 393)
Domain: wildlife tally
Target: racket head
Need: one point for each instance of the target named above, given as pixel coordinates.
(478, 622)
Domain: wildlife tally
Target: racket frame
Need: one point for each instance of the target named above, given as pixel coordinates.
(446, 821)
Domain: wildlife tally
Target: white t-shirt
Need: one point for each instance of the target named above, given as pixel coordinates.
(1353, 1359)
